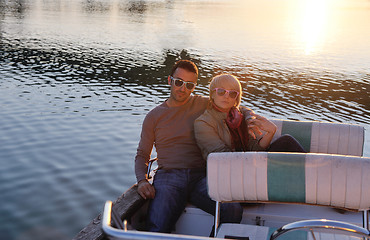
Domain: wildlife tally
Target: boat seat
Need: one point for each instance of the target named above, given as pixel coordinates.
(339, 181)
(324, 137)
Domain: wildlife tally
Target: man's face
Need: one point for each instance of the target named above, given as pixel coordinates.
(182, 93)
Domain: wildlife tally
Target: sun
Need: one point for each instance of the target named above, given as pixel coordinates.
(314, 22)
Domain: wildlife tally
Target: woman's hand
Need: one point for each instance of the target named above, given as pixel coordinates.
(257, 124)
(145, 189)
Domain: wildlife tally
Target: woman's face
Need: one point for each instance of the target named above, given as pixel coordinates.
(224, 97)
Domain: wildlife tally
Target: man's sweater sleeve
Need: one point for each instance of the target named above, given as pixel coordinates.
(144, 149)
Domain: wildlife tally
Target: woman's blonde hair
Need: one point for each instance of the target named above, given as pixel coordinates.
(226, 81)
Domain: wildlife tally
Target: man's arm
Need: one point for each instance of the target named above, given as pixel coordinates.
(145, 189)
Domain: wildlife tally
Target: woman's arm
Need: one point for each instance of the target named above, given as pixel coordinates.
(208, 139)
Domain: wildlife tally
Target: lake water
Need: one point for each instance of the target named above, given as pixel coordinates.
(77, 78)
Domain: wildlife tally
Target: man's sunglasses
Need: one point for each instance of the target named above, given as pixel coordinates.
(178, 83)
(231, 93)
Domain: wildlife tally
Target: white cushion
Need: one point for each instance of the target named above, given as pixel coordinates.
(325, 137)
(331, 180)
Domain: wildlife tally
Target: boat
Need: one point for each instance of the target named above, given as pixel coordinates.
(321, 194)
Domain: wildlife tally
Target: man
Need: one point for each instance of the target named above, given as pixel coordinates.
(181, 176)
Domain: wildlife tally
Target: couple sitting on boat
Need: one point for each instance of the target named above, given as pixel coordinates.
(184, 130)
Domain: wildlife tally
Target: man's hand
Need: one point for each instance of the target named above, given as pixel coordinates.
(145, 189)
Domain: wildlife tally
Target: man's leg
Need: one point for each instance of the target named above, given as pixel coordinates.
(169, 202)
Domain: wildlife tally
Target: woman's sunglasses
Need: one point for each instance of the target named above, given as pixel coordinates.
(231, 93)
(178, 83)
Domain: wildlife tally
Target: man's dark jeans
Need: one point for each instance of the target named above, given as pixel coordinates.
(174, 188)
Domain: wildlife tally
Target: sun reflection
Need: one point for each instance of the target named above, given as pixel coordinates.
(314, 23)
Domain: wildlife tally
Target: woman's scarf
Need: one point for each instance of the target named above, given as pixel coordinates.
(238, 128)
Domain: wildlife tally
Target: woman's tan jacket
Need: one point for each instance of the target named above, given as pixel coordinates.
(213, 135)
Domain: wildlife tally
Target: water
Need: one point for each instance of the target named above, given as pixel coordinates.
(78, 77)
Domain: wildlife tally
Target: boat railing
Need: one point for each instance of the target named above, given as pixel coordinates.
(124, 233)
(149, 171)
(325, 226)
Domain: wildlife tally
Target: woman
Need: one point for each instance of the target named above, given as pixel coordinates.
(227, 127)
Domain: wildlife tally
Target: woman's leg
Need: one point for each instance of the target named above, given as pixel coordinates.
(286, 143)
(230, 212)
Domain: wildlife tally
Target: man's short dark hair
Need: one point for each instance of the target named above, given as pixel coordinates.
(185, 64)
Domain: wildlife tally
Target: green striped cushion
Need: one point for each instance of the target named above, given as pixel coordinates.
(286, 178)
(323, 179)
(324, 137)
